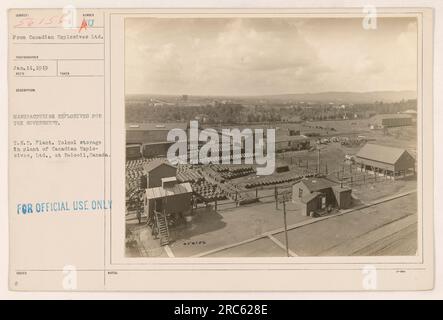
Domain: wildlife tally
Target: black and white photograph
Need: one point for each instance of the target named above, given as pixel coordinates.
(271, 136)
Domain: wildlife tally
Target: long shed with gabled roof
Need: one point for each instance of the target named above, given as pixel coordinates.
(391, 120)
(383, 159)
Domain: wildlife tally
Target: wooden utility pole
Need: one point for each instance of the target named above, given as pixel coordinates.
(276, 198)
(286, 227)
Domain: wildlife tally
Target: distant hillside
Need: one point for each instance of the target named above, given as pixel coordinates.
(348, 97)
(320, 97)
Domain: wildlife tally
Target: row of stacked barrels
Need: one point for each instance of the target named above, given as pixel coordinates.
(188, 173)
(233, 172)
(208, 192)
(203, 189)
(268, 181)
(134, 190)
(185, 173)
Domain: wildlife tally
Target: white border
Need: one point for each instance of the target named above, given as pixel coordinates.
(438, 116)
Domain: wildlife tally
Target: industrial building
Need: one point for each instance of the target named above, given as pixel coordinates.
(318, 195)
(389, 161)
(150, 132)
(381, 121)
(292, 143)
(293, 132)
(133, 151)
(151, 137)
(155, 149)
(155, 170)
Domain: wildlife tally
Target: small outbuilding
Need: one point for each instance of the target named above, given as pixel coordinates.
(171, 197)
(343, 196)
(320, 194)
(155, 170)
(313, 202)
(172, 201)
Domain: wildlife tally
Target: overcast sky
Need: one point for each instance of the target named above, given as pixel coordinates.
(256, 56)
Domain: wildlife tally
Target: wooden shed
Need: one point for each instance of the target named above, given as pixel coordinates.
(386, 160)
(318, 194)
(313, 202)
(171, 197)
(343, 196)
(157, 169)
(169, 202)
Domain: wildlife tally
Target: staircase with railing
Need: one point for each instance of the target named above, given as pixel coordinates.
(162, 227)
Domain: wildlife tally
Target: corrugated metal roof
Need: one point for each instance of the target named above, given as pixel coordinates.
(148, 167)
(380, 153)
(159, 192)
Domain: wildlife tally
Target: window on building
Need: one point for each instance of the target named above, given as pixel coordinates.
(300, 192)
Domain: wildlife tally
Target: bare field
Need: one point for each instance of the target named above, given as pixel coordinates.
(387, 228)
(210, 230)
(338, 236)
